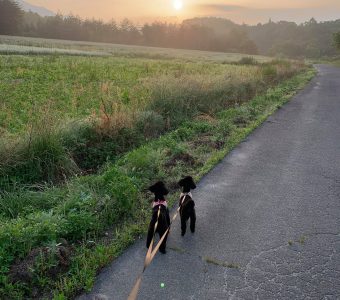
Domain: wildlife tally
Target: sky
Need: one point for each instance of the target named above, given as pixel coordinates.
(239, 11)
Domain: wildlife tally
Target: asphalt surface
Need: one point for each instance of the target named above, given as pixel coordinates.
(270, 208)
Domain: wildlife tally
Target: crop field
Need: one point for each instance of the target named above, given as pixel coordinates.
(82, 136)
(16, 44)
(78, 86)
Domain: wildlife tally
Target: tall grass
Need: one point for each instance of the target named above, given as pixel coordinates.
(30, 50)
(36, 157)
(82, 210)
(127, 117)
(128, 51)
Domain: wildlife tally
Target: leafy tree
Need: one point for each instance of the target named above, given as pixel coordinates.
(10, 17)
(310, 39)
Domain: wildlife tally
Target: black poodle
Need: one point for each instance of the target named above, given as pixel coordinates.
(159, 202)
(187, 205)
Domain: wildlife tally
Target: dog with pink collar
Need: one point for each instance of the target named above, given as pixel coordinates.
(159, 203)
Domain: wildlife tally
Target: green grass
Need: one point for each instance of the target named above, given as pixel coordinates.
(82, 137)
(113, 201)
(337, 63)
(128, 50)
(216, 262)
(62, 116)
(71, 87)
(30, 50)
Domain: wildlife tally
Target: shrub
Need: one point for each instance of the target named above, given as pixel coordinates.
(121, 188)
(38, 157)
(21, 202)
(150, 123)
(143, 163)
(247, 60)
(269, 72)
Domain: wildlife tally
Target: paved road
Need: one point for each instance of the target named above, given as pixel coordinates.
(282, 184)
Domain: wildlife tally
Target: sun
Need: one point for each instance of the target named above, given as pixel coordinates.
(178, 4)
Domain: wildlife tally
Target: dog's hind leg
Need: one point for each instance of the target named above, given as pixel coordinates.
(193, 221)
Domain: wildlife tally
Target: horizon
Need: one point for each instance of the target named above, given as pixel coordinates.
(175, 11)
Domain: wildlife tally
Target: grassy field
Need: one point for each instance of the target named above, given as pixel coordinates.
(125, 50)
(337, 63)
(78, 86)
(93, 109)
(83, 136)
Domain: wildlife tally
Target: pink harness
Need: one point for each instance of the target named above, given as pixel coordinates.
(160, 202)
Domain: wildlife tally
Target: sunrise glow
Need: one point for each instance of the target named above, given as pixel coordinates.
(239, 11)
(178, 4)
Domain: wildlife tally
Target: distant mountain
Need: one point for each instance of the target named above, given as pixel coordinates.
(42, 11)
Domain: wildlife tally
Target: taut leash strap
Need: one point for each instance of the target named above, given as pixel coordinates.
(152, 252)
(148, 258)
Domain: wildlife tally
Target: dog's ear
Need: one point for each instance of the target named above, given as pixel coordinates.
(192, 183)
(152, 188)
(155, 188)
(159, 188)
(165, 190)
(181, 182)
(187, 182)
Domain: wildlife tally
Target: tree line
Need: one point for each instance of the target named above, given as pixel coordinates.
(310, 39)
(187, 36)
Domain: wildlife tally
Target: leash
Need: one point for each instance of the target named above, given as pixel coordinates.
(152, 252)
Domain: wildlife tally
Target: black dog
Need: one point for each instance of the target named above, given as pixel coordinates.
(187, 205)
(159, 202)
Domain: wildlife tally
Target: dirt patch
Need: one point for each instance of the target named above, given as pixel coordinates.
(206, 118)
(59, 257)
(207, 142)
(173, 186)
(21, 270)
(241, 121)
(186, 158)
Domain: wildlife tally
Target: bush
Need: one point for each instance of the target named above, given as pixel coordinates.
(150, 124)
(247, 60)
(38, 157)
(22, 202)
(269, 72)
(91, 151)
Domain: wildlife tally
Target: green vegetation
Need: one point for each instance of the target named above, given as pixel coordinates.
(10, 17)
(62, 116)
(127, 51)
(216, 262)
(81, 137)
(25, 50)
(54, 239)
(337, 40)
(302, 240)
(311, 39)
